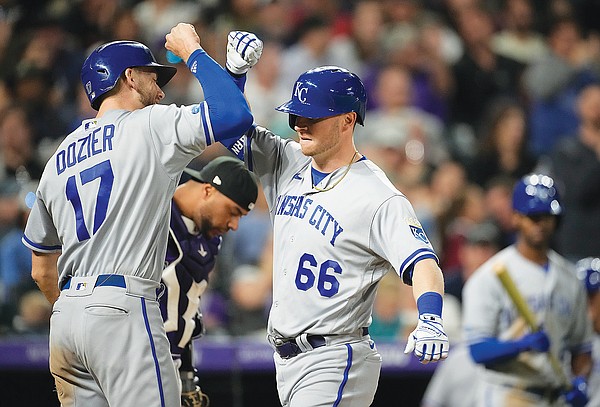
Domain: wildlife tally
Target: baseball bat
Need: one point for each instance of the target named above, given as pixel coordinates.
(529, 317)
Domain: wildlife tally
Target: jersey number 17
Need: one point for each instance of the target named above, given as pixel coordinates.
(103, 171)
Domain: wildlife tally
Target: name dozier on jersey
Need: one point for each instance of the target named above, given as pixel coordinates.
(86, 147)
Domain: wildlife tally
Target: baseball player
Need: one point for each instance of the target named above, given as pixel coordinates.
(588, 271)
(517, 366)
(98, 229)
(204, 208)
(339, 227)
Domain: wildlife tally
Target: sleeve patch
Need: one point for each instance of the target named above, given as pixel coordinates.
(419, 233)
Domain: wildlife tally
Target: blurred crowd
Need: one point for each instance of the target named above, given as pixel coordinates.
(464, 98)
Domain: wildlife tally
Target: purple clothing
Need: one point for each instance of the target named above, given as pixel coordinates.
(189, 260)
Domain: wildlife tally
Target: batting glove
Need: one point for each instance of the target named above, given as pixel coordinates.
(428, 341)
(243, 51)
(536, 341)
(577, 396)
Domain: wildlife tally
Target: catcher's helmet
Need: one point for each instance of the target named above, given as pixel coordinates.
(588, 271)
(106, 63)
(535, 194)
(326, 91)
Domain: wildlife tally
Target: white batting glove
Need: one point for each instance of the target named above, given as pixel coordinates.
(428, 340)
(243, 51)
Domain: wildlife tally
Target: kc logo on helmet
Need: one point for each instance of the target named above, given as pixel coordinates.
(300, 92)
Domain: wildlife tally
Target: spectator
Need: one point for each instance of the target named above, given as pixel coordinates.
(34, 315)
(518, 39)
(552, 85)
(397, 123)
(481, 75)
(503, 145)
(498, 201)
(575, 165)
(482, 241)
(17, 147)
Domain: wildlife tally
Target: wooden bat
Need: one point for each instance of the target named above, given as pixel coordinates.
(529, 317)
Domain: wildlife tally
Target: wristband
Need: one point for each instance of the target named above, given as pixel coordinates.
(430, 303)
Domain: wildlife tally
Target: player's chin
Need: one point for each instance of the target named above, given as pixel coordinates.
(307, 146)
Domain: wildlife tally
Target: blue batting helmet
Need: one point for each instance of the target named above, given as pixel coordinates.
(326, 91)
(536, 194)
(588, 271)
(103, 67)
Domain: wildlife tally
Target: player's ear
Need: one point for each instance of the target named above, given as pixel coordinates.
(350, 119)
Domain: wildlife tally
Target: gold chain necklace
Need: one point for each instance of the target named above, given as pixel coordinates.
(339, 179)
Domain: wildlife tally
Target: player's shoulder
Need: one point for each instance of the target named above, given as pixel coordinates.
(374, 182)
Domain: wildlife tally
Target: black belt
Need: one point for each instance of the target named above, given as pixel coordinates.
(114, 280)
(288, 348)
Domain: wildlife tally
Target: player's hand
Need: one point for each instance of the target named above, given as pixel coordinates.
(243, 51)
(428, 341)
(577, 396)
(536, 341)
(182, 40)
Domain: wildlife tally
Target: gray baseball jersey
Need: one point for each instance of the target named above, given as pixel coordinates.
(331, 248)
(555, 296)
(129, 163)
(104, 201)
(594, 381)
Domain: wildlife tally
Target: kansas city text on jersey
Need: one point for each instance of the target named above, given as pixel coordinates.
(319, 217)
(97, 141)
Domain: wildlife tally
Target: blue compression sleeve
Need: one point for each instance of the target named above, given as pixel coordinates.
(240, 80)
(229, 112)
(490, 350)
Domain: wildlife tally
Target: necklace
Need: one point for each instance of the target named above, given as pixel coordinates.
(341, 178)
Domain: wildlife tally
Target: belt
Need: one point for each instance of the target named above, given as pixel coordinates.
(113, 280)
(288, 348)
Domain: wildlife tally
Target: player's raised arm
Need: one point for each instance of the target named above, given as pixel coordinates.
(227, 108)
(244, 49)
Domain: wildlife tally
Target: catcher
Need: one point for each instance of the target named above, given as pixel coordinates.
(202, 210)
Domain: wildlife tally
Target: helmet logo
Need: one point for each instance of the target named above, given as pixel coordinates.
(300, 92)
(88, 87)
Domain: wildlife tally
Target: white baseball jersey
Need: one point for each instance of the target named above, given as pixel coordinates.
(331, 247)
(594, 380)
(104, 197)
(556, 298)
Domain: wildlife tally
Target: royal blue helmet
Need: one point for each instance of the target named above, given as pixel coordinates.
(536, 194)
(588, 271)
(103, 67)
(326, 91)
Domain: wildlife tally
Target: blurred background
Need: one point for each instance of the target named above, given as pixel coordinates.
(464, 97)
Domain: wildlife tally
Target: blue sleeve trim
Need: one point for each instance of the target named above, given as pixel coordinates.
(228, 110)
(430, 303)
(38, 247)
(406, 269)
(208, 131)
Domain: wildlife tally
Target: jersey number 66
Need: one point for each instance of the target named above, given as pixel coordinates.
(327, 284)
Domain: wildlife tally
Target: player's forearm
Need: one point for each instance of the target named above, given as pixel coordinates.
(427, 277)
(229, 112)
(44, 272)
